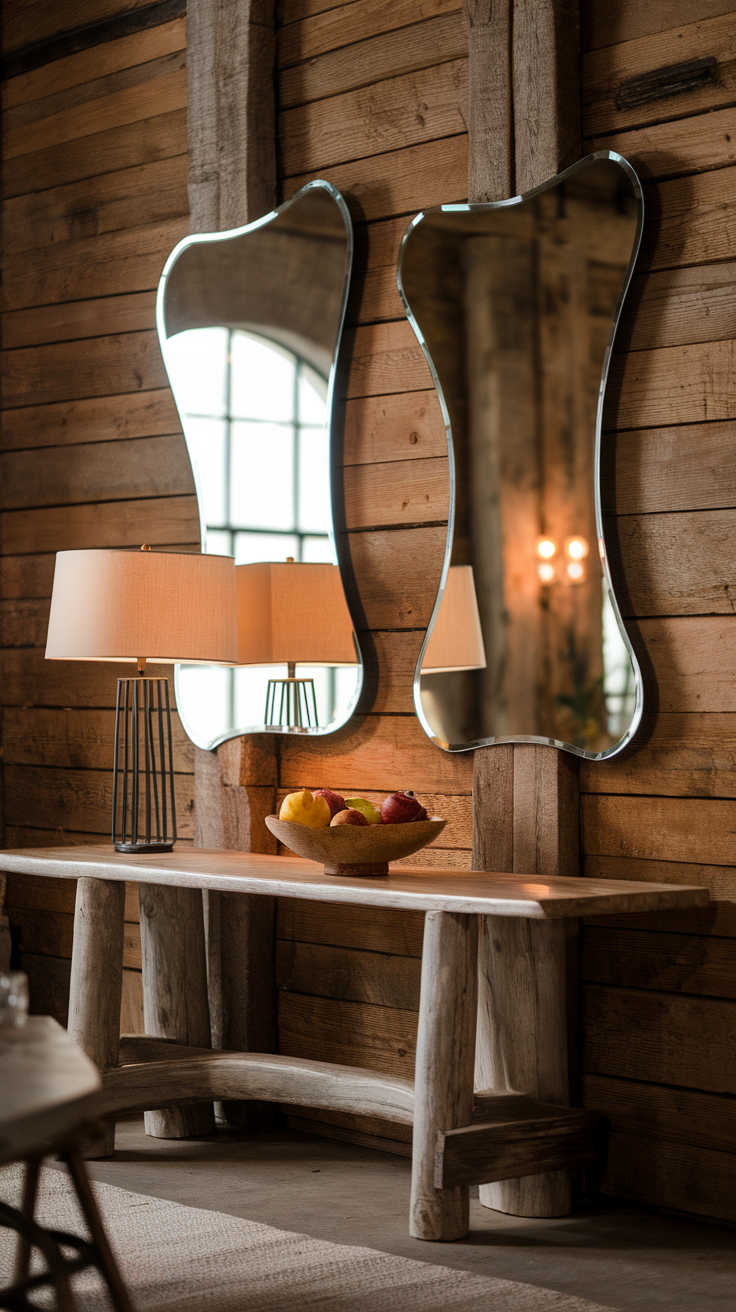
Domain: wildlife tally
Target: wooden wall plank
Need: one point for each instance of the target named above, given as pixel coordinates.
(350, 1033)
(78, 799)
(679, 306)
(393, 752)
(328, 971)
(675, 963)
(402, 111)
(130, 260)
(605, 24)
(698, 829)
(158, 521)
(125, 147)
(399, 182)
(147, 193)
(75, 739)
(371, 929)
(676, 564)
(690, 467)
(333, 27)
(703, 1120)
(362, 63)
(407, 492)
(110, 471)
(74, 70)
(407, 426)
(608, 103)
(670, 1176)
(92, 419)
(660, 1038)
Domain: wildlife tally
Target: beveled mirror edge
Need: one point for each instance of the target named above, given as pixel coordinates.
(506, 204)
(191, 240)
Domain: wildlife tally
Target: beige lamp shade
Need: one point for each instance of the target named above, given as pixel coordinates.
(124, 605)
(456, 641)
(291, 613)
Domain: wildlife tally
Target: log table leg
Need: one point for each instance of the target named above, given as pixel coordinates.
(522, 1040)
(175, 991)
(444, 1069)
(96, 985)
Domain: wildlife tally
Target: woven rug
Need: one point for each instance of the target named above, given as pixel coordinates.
(183, 1259)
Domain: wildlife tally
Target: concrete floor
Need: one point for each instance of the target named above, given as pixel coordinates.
(620, 1257)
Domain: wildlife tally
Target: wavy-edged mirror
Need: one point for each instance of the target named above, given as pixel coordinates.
(516, 305)
(249, 323)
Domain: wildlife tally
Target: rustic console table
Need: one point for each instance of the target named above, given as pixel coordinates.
(459, 1137)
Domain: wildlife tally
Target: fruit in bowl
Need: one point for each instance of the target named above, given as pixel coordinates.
(349, 816)
(358, 839)
(334, 800)
(366, 808)
(402, 809)
(304, 808)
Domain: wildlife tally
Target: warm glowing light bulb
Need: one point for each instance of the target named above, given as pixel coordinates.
(577, 547)
(576, 571)
(546, 548)
(546, 571)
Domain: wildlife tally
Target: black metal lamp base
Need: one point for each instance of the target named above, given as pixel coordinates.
(143, 803)
(144, 847)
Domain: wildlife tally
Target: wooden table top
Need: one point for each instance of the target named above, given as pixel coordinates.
(48, 1087)
(412, 888)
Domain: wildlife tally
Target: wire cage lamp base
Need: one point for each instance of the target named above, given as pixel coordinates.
(297, 703)
(143, 803)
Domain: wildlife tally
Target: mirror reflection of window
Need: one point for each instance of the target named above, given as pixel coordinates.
(255, 417)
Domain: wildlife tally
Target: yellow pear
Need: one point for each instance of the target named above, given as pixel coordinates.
(304, 809)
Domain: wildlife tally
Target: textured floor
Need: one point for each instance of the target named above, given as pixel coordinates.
(612, 1255)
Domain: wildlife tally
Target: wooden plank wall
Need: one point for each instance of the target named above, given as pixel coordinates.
(659, 997)
(94, 190)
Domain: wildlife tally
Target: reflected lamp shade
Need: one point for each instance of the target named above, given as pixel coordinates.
(456, 641)
(291, 613)
(158, 605)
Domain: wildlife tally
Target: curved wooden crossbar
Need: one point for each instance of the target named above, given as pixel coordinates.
(214, 1076)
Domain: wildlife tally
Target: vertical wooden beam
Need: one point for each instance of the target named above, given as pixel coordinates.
(525, 808)
(443, 1084)
(96, 985)
(490, 116)
(231, 116)
(545, 89)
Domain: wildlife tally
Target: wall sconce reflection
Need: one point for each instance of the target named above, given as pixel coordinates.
(570, 566)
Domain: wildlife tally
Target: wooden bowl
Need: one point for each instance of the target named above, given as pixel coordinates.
(356, 849)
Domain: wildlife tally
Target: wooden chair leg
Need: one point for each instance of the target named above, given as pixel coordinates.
(96, 986)
(108, 1266)
(443, 1087)
(28, 1208)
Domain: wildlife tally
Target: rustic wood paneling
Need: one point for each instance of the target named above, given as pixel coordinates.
(94, 144)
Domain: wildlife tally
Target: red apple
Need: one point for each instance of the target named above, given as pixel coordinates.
(401, 808)
(334, 800)
(348, 817)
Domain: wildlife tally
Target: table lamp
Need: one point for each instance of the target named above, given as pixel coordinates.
(143, 606)
(456, 641)
(291, 613)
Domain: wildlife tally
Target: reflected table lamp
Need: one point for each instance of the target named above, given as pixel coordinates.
(143, 606)
(456, 641)
(289, 613)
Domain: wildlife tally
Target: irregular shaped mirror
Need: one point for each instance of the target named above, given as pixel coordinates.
(516, 306)
(249, 323)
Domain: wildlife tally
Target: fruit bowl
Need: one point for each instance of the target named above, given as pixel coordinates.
(356, 849)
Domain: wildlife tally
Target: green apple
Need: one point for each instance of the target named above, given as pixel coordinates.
(367, 808)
